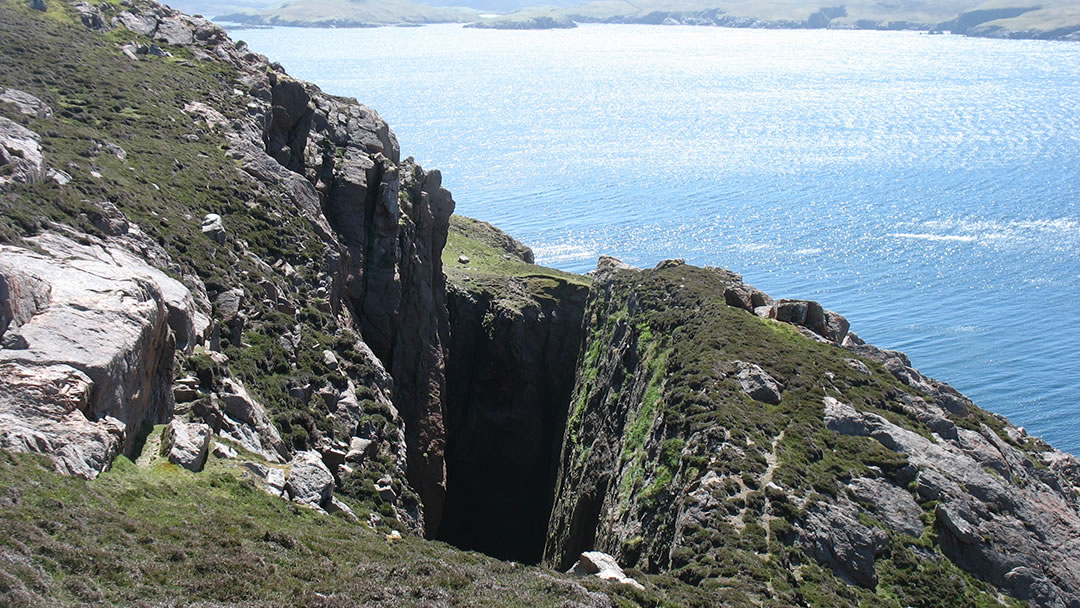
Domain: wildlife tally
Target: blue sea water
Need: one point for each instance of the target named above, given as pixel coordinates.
(926, 187)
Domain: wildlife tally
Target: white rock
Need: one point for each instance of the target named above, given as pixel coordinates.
(603, 566)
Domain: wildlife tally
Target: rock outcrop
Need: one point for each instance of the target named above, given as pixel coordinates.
(97, 327)
(680, 458)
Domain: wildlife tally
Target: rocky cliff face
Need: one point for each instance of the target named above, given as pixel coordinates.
(721, 436)
(208, 262)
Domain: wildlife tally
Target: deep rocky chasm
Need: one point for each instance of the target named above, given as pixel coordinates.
(208, 266)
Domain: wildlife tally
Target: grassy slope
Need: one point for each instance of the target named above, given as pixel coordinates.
(158, 534)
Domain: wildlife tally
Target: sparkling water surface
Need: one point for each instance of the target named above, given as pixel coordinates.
(926, 187)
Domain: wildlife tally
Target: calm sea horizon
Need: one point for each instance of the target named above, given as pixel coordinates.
(926, 187)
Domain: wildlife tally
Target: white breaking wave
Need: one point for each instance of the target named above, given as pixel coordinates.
(963, 238)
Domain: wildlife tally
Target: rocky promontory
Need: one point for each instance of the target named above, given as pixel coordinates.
(249, 356)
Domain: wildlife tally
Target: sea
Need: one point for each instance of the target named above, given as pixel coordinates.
(925, 187)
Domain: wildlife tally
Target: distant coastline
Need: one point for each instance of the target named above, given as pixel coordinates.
(992, 20)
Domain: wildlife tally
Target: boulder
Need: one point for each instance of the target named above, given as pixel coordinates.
(244, 420)
(173, 30)
(185, 444)
(140, 24)
(20, 149)
(25, 103)
(213, 228)
(100, 322)
(758, 384)
(309, 482)
(272, 479)
(222, 450)
(602, 566)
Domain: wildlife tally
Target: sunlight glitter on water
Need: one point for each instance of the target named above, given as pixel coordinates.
(915, 184)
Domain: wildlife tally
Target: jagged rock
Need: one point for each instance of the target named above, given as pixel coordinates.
(336, 506)
(273, 479)
(758, 384)
(173, 30)
(309, 481)
(25, 102)
(227, 303)
(463, 259)
(20, 149)
(359, 449)
(834, 536)
(186, 445)
(384, 486)
(244, 420)
(140, 24)
(213, 227)
(186, 389)
(893, 506)
(222, 450)
(90, 16)
(38, 5)
(99, 310)
(42, 409)
(602, 566)
(330, 359)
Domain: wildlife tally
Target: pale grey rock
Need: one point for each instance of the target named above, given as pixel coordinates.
(186, 389)
(244, 420)
(893, 506)
(758, 384)
(272, 480)
(336, 506)
(330, 359)
(227, 303)
(102, 311)
(223, 450)
(173, 30)
(858, 366)
(213, 227)
(309, 481)
(186, 444)
(90, 16)
(1010, 522)
(208, 114)
(25, 103)
(359, 449)
(140, 24)
(833, 535)
(602, 566)
(20, 149)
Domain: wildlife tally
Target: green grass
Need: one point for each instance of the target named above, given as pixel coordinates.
(160, 534)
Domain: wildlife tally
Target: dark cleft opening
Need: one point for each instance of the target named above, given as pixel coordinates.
(510, 374)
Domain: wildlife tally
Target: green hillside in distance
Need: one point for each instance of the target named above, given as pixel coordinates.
(1050, 19)
(350, 13)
